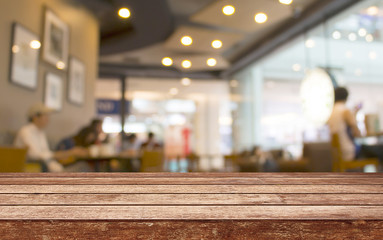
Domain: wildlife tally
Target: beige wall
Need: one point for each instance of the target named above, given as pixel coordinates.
(84, 35)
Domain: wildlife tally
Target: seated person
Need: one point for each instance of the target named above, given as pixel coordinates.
(150, 144)
(32, 136)
(343, 122)
(130, 146)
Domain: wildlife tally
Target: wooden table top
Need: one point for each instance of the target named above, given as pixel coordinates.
(191, 196)
(260, 206)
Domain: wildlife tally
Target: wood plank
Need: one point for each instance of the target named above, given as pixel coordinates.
(177, 230)
(160, 189)
(193, 175)
(191, 212)
(191, 199)
(191, 181)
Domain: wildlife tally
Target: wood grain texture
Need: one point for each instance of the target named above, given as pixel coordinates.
(185, 230)
(191, 181)
(190, 199)
(187, 189)
(192, 175)
(191, 212)
(191, 206)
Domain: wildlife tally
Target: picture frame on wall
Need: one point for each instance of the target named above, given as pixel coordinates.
(53, 92)
(76, 83)
(56, 41)
(25, 51)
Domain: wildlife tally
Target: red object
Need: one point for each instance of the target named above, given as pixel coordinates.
(185, 135)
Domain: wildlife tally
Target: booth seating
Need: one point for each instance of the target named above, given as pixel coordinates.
(191, 206)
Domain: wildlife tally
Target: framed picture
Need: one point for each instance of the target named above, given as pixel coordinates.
(76, 83)
(56, 40)
(24, 62)
(53, 92)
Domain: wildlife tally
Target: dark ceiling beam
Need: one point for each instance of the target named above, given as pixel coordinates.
(313, 16)
(107, 70)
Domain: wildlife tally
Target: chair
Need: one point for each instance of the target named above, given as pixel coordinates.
(231, 163)
(339, 164)
(152, 161)
(12, 159)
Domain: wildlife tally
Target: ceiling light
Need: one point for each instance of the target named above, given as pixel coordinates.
(373, 10)
(173, 91)
(186, 64)
(362, 32)
(349, 54)
(372, 55)
(286, 2)
(124, 13)
(60, 65)
(185, 81)
(35, 44)
(233, 83)
(15, 49)
(211, 62)
(260, 18)
(216, 44)
(310, 43)
(336, 35)
(296, 67)
(352, 37)
(228, 10)
(186, 41)
(167, 61)
(369, 38)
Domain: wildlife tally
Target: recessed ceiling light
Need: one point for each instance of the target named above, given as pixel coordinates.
(296, 67)
(216, 44)
(310, 43)
(372, 55)
(60, 65)
(234, 83)
(260, 17)
(186, 64)
(369, 38)
(185, 81)
(35, 44)
(167, 61)
(336, 35)
(186, 40)
(352, 37)
(228, 10)
(173, 91)
(124, 13)
(211, 62)
(362, 32)
(373, 10)
(15, 49)
(286, 2)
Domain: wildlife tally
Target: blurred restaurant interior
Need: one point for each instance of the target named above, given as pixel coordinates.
(221, 85)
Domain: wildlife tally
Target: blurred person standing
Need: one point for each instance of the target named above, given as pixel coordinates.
(32, 136)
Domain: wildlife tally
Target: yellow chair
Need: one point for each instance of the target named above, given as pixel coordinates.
(152, 161)
(340, 165)
(12, 159)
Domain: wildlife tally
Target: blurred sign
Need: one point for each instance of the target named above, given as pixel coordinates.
(110, 107)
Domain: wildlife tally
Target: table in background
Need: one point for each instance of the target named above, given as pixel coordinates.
(191, 206)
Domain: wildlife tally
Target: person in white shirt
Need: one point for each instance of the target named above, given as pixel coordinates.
(32, 137)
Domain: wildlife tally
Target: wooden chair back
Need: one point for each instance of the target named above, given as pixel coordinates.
(341, 165)
(152, 161)
(12, 159)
